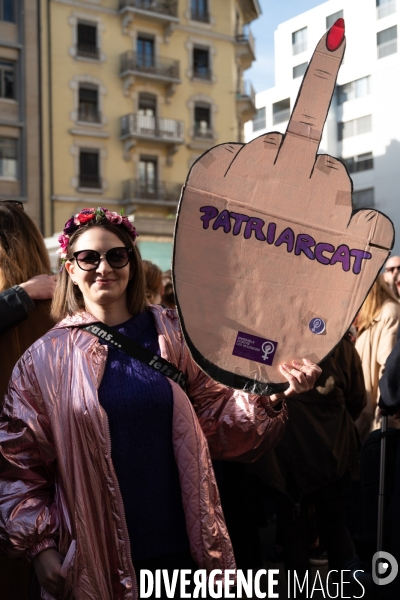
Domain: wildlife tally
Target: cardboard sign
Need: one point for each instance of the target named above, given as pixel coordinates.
(271, 263)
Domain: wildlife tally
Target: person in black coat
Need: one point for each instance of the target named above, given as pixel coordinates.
(390, 402)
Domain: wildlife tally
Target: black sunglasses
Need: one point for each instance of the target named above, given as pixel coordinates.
(88, 260)
(14, 203)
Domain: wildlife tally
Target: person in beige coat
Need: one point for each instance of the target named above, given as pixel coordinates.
(377, 325)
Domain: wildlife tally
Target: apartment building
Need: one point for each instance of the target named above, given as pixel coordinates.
(135, 92)
(20, 145)
(363, 124)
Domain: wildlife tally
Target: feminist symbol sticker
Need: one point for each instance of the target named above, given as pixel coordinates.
(317, 326)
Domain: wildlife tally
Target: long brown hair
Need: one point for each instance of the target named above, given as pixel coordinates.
(154, 282)
(378, 295)
(68, 298)
(23, 253)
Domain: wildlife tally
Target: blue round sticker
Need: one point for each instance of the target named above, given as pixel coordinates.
(317, 326)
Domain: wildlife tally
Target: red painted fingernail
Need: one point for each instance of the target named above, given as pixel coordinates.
(335, 35)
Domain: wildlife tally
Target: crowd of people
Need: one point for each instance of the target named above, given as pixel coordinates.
(108, 466)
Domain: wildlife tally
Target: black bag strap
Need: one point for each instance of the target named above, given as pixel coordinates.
(108, 334)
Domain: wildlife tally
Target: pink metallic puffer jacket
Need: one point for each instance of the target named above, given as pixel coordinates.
(58, 487)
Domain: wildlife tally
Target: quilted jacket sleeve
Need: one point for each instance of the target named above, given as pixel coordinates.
(238, 426)
(28, 517)
(15, 305)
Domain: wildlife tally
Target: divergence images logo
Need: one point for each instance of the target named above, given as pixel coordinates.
(267, 348)
(384, 568)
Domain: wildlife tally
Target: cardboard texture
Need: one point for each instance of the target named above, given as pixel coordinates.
(270, 262)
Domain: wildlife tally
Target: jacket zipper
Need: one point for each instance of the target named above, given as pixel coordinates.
(121, 507)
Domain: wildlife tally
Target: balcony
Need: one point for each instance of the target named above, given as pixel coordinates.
(87, 51)
(385, 9)
(164, 12)
(246, 101)
(154, 68)
(160, 194)
(200, 72)
(245, 48)
(168, 132)
(89, 114)
(202, 16)
(92, 182)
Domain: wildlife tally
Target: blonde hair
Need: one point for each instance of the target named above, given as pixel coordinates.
(378, 295)
(154, 282)
(23, 254)
(68, 298)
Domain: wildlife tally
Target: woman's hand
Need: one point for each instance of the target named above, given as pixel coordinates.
(301, 377)
(40, 287)
(47, 565)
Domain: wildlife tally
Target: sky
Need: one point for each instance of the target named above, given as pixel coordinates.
(261, 74)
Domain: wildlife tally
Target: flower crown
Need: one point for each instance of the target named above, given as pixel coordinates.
(83, 217)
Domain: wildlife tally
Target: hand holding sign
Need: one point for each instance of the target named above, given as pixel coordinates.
(268, 253)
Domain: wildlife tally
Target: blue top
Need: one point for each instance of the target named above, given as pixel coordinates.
(138, 402)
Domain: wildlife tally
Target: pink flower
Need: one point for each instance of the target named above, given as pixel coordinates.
(113, 217)
(63, 240)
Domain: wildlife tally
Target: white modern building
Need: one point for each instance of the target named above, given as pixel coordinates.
(363, 124)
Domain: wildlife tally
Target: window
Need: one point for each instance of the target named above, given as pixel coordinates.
(87, 41)
(353, 89)
(147, 105)
(145, 51)
(387, 41)
(199, 11)
(333, 18)
(7, 12)
(355, 127)
(385, 8)
(148, 177)
(8, 158)
(299, 41)
(202, 121)
(259, 121)
(364, 198)
(89, 172)
(89, 104)
(7, 80)
(281, 111)
(299, 70)
(362, 162)
(201, 63)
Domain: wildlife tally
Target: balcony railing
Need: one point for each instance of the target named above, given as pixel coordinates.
(204, 133)
(202, 72)
(160, 193)
(246, 91)
(169, 130)
(155, 66)
(87, 51)
(281, 116)
(386, 9)
(246, 38)
(299, 47)
(357, 166)
(200, 15)
(89, 181)
(89, 114)
(387, 48)
(167, 8)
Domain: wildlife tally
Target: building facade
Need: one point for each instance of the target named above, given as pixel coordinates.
(134, 91)
(363, 127)
(20, 135)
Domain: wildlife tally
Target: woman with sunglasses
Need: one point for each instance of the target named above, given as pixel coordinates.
(105, 465)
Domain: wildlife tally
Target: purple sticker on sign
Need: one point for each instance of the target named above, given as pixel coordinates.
(255, 348)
